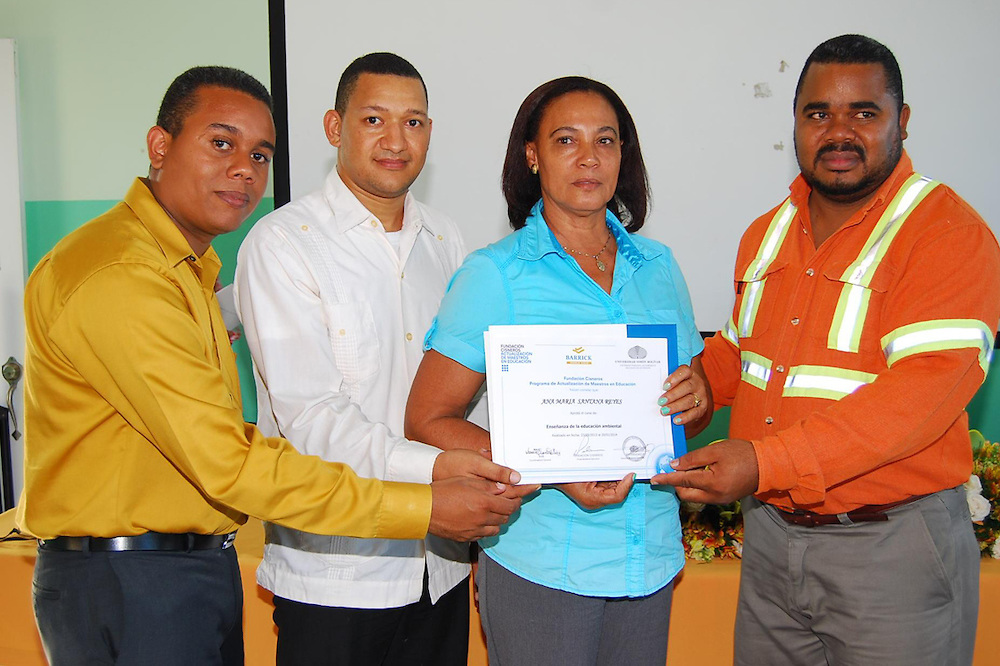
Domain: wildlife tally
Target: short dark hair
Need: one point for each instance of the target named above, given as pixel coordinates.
(856, 50)
(181, 97)
(522, 189)
(373, 63)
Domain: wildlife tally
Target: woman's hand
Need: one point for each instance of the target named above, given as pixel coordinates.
(597, 494)
(687, 398)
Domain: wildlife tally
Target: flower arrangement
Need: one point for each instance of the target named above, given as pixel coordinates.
(983, 493)
(712, 531)
(717, 531)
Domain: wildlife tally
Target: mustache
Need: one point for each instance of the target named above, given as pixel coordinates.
(841, 148)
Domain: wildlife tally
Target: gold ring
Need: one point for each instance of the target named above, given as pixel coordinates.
(697, 400)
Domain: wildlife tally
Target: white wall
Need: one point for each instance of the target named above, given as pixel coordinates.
(710, 85)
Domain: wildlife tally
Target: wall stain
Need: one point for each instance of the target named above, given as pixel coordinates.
(761, 90)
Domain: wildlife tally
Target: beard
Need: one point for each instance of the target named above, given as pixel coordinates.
(874, 174)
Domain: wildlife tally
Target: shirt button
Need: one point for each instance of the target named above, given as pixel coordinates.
(305, 227)
(780, 368)
(795, 321)
(409, 336)
(769, 420)
(810, 272)
(440, 237)
(402, 275)
(342, 332)
(374, 223)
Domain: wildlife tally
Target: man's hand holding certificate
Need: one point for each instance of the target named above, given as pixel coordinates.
(578, 403)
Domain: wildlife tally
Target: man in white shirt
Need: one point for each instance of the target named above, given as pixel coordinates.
(336, 291)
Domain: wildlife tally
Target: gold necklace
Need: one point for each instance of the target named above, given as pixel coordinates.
(601, 266)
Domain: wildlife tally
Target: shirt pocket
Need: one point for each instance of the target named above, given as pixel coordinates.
(756, 300)
(353, 340)
(686, 331)
(856, 305)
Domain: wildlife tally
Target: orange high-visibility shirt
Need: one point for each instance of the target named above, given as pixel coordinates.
(849, 366)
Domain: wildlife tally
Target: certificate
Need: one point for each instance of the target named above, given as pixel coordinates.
(579, 403)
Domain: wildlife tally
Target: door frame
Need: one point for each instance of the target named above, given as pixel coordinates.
(12, 247)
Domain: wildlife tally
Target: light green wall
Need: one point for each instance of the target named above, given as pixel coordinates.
(91, 77)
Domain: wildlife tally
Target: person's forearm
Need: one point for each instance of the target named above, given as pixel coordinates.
(447, 432)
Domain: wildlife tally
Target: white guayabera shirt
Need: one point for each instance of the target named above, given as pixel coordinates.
(334, 311)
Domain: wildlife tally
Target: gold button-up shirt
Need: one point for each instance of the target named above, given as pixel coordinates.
(133, 419)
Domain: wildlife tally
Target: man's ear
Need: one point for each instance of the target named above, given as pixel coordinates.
(904, 118)
(157, 145)
(332, 125)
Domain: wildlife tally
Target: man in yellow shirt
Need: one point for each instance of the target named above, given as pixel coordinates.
(138, 465)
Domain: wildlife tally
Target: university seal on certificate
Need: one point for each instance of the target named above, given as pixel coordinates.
(578, 403)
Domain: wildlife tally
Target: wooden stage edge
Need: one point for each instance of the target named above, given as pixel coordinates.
(701, 622)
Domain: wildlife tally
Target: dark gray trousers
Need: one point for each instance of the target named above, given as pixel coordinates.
(904, 591)
(526, 623)
(149, 608)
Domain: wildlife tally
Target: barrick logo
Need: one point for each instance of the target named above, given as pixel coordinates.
(578, 357)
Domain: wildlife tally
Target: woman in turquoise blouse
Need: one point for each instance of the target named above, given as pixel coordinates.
(583, 572)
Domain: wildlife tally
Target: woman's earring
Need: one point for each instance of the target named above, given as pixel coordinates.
(534, 169)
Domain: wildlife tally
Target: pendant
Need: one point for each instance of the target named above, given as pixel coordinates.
(601, 265)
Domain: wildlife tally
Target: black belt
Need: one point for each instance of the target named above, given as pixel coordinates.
(147, 541)
(865, 514)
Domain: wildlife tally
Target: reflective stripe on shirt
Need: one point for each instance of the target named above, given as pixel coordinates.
(768, 250)
(818, 381)
(938, 335)
(852, 307)
(755, 369)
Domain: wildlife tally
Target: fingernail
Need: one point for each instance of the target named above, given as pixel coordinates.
(515, 477)
(666, 386)
(661, 401)
(501, 486)
(665, 410)
(677, 420)
(674, 464)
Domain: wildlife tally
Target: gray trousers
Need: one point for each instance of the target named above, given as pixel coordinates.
(140, 608)
(904, 591)
(527, 623)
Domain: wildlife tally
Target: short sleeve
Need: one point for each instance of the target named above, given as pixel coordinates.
(476, 299)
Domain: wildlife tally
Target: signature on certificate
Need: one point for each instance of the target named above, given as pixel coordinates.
(585, 450)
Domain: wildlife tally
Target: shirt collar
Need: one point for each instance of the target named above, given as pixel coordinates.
(349, 212)
(800, 189)
(538, 240)
(164, 231)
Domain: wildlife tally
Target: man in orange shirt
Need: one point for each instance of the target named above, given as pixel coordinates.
(865, 315)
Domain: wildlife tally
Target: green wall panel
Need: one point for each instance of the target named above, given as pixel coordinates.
(46, 222)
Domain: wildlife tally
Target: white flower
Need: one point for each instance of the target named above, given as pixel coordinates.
(995, 550)
(979, 506)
